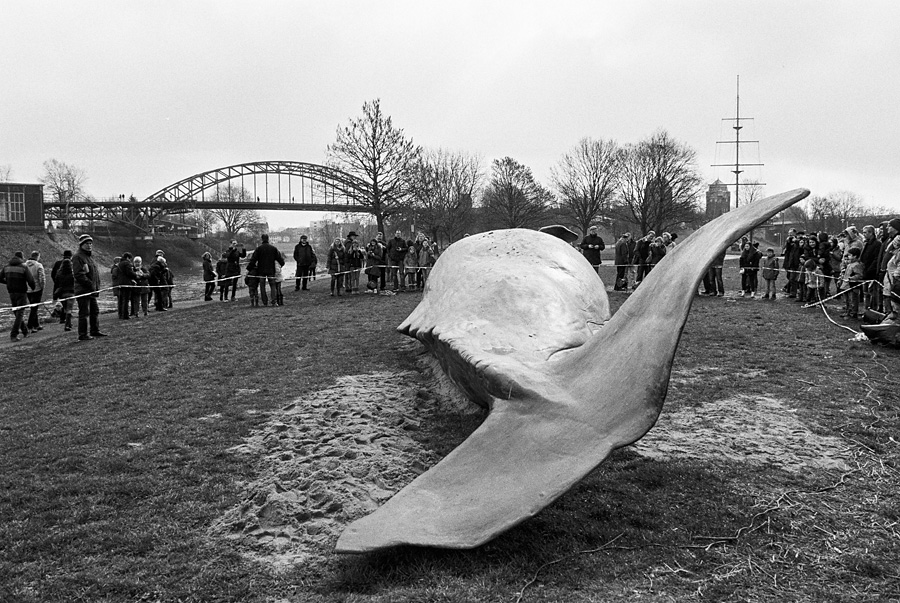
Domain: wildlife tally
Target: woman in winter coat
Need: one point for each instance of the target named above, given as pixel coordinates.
(209, 277)
(336, 265)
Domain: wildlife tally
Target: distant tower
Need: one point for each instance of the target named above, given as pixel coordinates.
(718, 200)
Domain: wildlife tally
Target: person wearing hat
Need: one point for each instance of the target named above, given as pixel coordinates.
(306, 259)
(18, 280)
(87, 289)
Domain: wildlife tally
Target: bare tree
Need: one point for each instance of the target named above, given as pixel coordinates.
(834, 212)
(371, 148)
(444, 185)
(660, 183)
(586, 179)
(64, 181)
(234, 219)
(5, 173)
(513, 198)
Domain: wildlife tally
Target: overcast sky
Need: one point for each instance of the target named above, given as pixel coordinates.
(143, 94)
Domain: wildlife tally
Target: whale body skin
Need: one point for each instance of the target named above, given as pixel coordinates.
(520, 322)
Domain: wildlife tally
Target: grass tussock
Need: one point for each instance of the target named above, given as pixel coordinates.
(110, 475)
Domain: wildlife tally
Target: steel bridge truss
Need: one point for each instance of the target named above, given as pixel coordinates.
(278, 185)
(284, 185)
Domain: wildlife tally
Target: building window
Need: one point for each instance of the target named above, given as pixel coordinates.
(12, 207)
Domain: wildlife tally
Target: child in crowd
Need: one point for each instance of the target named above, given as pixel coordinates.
(336, 265)
(815, 281)
(853, 276)
(410, 266)
(252, 282)
(355, 259)
(770, 268)
(221, 270)
(279, 278)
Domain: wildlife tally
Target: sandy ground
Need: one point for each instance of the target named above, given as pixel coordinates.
(330, 458)
(338, 454)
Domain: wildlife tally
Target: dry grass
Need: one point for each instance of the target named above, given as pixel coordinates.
(110, 480)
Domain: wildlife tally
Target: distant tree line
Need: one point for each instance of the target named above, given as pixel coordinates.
(653, 184)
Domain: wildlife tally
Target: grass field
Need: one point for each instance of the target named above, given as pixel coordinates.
(114, 476)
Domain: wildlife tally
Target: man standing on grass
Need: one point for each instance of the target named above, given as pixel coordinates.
(305, 256)
(591, 246)
(869, 257)
(87, 288)
(263, 261)
(623, 259)
(18, 279)
(396, 251)
(233, 267)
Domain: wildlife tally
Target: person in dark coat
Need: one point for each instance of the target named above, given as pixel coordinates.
(64, 288)
(235, 252)
(125, 280)
(159, 279)
(791, 264)
(642, 257)
(87, 289)
(591, 246)
(869, 258)
(749, 265)
(622, 260)
(396, 253)
(18, 280)
(306, 259)
(209, 277)
(222, 271)
(263, 261)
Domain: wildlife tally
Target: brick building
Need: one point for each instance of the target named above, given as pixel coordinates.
(21, 206)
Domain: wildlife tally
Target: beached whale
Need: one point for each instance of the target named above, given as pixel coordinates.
(521, 323)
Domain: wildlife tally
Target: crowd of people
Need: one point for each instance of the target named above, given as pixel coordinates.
(860, 267)
(863, 268)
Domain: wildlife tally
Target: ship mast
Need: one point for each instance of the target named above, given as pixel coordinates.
(737, 142)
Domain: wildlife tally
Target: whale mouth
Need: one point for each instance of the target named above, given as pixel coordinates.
(521, 323)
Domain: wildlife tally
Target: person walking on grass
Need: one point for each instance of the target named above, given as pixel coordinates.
(770, 268)
(18, 280)
(37, 293)
(87, 289)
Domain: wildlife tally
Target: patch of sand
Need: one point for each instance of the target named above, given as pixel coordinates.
(328, 459)
(750, 429)
(709, 374)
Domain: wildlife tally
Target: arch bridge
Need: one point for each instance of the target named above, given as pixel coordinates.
(258, 185)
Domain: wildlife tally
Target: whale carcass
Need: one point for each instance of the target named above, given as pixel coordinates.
(521, 323)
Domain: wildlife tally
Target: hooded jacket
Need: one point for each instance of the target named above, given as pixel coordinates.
(17, 277)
